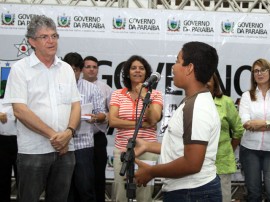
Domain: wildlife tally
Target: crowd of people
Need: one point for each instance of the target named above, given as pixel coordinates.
(53, 145)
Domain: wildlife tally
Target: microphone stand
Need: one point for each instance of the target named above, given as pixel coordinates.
(128, 157)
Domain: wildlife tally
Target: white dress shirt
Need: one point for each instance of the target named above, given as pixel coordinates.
(47, 92)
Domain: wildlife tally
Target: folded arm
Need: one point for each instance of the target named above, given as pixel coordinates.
(116, 122)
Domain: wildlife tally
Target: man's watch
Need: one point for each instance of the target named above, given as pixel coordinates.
(267, 124)
(72, 131)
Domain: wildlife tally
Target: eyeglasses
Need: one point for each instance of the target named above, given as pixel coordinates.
(53, 37)
(91, 66)
(260, 71)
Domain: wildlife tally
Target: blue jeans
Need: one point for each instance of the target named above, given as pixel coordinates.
(82, 187)
(210, 192)
(51, 172)
(256, 164)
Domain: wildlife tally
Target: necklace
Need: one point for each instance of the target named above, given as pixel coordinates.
(133, 95)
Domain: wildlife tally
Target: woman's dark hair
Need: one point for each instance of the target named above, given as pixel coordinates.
(127, 66)
(216, 88)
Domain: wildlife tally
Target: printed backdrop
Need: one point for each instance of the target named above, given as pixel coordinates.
(113, 35)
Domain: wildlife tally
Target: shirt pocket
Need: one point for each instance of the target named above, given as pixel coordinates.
(64, 93)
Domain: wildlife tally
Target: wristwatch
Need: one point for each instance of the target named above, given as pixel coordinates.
(267, 124)
(73, 131)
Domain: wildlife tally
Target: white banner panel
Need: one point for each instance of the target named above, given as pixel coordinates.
(113, 35)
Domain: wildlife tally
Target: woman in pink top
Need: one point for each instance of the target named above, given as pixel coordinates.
(122, 116)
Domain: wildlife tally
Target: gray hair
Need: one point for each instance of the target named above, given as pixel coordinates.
(38, 22)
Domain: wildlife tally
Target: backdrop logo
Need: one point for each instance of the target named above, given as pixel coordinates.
(63, 21)
(173, 25)
(4, 76)
(119, 23)
(23, 48)
(8, 19)
(227, 27)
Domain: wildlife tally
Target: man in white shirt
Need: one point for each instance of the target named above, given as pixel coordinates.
(45, 99)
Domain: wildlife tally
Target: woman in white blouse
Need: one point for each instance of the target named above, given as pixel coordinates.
(254, 111)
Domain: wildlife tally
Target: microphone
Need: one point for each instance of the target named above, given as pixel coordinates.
(153, 79)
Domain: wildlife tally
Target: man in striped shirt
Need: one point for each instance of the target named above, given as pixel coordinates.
(82, 186)
(90, 73)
